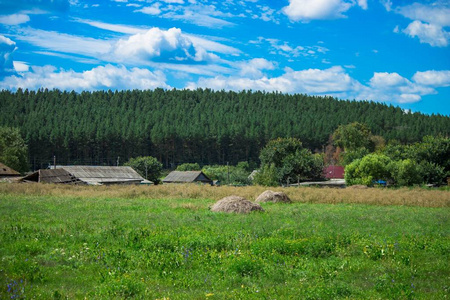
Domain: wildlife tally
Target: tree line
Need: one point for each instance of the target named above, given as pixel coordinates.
(200, 126)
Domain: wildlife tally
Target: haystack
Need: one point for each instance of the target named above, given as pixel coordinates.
(271, 196)
(235, 204)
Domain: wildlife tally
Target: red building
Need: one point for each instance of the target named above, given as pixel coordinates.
(333, 172)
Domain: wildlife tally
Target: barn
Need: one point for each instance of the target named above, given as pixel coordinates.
(334, 172)
(7, 173)
(92, 175)
(187, 177)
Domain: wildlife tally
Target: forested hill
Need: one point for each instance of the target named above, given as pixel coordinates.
(190, 126)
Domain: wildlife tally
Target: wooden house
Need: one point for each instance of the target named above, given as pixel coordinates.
(7, 172)
(187, 177)
(92, 175)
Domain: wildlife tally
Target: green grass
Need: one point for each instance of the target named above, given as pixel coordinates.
(76, 247)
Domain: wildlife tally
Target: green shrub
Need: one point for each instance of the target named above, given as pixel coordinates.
(147, 166)
(189, 167)
(364, 171)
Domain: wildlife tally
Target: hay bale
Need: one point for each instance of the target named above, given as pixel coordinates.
(358, 187)
(271, 196)
(235, 204)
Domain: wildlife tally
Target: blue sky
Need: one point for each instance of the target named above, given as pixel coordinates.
(395, 52)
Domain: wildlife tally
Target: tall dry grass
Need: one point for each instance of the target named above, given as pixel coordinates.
(373, 196)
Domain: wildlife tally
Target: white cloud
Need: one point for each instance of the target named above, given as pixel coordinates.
(173, 1)
(306, 10)
(428, 33)
(393, 87)
(385, 80)
(254, 67)
(14, 19)
(199, 18)
(363, 4)
(291, 51)
(206, 43)
(7, 47)
(336, 82)
(102, 77)
(332, 81)
(387, 4)
(428, 22)
(433, 78)
(159, 45)
(21, 66)
(433, 14)
(150, 10)
(113, 27)
(65, 43)
(196, 13)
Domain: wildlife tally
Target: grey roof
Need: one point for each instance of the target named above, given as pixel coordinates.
(51, 176)
(7, 171)
(87, 174)
(186, 176)
(104, 174)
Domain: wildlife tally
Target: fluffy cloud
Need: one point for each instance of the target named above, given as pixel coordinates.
(14, 19)
(102, 77)
(428, 33)
(434, 14)
(387, 80)
(160, 45)
(428, 22)
(332, 81)
(21, 66)
(393, 87)
(306, 10)
(336, 82)
(7, 47)
(150, 10)
(254, 67)
(206, 43)
(432, 78)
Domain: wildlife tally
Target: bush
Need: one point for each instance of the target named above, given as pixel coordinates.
(13, 150)
(267, 176)
(147, 166)
(290, 160)
(189, 167)
(368, 169)
(227, 174)
(406, 172)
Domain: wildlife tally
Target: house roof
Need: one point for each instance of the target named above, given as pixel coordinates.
(104, 174)
(51, 176)
(7, 171)
(186, 176)
(87, 174)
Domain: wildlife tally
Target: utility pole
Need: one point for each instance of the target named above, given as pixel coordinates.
(228, 173)
(146, 170)
(118, 159)
(54, 161)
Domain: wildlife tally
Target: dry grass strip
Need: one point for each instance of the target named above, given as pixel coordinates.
(374, 196)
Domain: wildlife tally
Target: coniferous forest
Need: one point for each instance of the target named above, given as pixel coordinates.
(203, 126)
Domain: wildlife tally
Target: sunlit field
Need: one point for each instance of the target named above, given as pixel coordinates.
(156, 242)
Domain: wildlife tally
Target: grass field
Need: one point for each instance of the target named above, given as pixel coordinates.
(159, 242)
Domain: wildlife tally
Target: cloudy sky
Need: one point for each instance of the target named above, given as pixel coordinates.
(393, 51)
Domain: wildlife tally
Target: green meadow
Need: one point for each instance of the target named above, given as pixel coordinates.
(94, 247)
